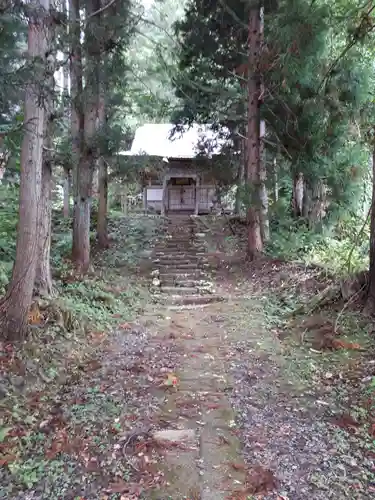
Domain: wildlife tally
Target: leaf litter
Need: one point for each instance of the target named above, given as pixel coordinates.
(93, 429)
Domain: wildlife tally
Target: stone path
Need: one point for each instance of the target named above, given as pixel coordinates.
(206, 462)
(180, 269)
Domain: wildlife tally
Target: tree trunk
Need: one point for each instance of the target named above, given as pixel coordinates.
(370, 303)
(263, 193)
(65, 94)
(89, 151)
(298, 195)
(102, 226)
(319, 203)
(275, 182)
(43, 280)
(15, 306)
(124, 199)
(309, 200)
(65, 89)
(81, 217)
(82, 181)
(255, 243)
(66, 187)
(76, 115)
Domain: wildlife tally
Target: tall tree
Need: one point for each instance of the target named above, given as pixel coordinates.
(102, 225)
(67, 166)
(15, 306)
(82, 179)
(254, 143)
(102, 69)
(43, 277)
(309, 109)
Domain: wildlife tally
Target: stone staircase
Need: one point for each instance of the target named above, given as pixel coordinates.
(180, 273)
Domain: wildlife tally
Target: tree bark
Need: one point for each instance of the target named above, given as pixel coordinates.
(275, 182)
(319, 203)
(89, 151)
(102, 227)
(65, 89)
(254, 148)
(43, 280)
(76, 114)
(66, 188)
(15, 306)
(263, 192)
(298, 195)
(370, 303)
(43, 285)
(82, 123)
(65, 95)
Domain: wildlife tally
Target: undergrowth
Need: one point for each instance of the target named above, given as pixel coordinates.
(341, 249)
(67, 334)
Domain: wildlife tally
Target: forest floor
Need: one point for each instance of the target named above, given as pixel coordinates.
(235, 400)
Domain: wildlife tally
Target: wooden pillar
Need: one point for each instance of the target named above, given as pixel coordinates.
(164, 197)
(145, 199)
(124, 199)
(197, 195)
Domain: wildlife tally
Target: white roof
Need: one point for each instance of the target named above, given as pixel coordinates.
(154, 139)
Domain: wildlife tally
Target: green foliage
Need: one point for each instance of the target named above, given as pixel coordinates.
(341, 250)
(314, 92)
(151, 56)
(8, 232)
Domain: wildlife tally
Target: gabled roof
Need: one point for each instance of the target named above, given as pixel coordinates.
(155, 139)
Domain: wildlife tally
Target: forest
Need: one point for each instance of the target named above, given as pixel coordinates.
(228, 355)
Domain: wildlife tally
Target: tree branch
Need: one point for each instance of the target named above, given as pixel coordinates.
(100, 10)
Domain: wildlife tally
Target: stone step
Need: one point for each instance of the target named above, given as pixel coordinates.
(174, 245)
(178, 268)
(169, 262)
(177, 255)
(179, 248)
(176, 290)
(175, 264)
(194, 299)
(182, 276)
(176, 241)
(182, 283)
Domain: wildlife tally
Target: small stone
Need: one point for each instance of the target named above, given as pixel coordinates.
(175, 435)
(18, 382)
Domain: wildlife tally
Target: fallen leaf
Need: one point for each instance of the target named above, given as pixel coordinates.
(125, 326)
(342, 344)
(260, 481)
(238, 466)
(171, 380)
(5, 460)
